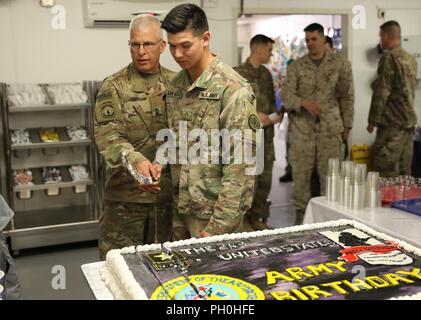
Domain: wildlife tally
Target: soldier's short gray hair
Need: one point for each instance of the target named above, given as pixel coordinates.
(143, 20)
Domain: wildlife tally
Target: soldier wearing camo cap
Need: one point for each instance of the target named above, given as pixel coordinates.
(392, 105)
(319, 95)
(129, 112)
(211, 198)
(261, 81)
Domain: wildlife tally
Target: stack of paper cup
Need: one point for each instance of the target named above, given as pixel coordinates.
(332, 180)
(373, 199)
(363, 167)
(358, 188)
(346, 182)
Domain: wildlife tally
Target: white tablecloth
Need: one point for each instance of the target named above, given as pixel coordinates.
(98, 287)
(397, 223)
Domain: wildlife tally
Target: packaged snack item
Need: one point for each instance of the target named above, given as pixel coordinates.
(23, 178)
(79, 173)
(77, 133)
(49, 135)
(20, 136)
(67, 93)
(51, 175)
(25, 94)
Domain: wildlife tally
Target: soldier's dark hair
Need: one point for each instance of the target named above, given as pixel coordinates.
(315, 27)
(392, 28)
(186, 16)
(260, 39)
(329, 41)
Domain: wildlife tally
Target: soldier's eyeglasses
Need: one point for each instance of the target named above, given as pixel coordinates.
(148, 45)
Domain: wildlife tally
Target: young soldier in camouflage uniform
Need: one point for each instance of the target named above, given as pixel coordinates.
(128, 113)
(261, 81)
(392, 106)
(211, 198)
(319, 94)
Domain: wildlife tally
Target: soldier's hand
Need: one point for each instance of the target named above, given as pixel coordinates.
(156, 171)
(371, 127)
(147, 169)
(154, 187)
(345, 134)
(312, 107)
(204, 234)
(264, 119)
(276, 117)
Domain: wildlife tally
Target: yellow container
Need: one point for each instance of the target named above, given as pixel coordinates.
(360, 153)
(49, 135)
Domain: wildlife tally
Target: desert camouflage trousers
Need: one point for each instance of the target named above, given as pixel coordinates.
(126, 224)
(260, 206)
(187, 226)
(309, 152)
(392, 151)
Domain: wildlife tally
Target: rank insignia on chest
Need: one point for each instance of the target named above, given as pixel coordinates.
(107, 111)
(209, 95)
(188, 115)
(157, 111)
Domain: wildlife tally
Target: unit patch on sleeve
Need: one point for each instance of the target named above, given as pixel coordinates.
(254, 122)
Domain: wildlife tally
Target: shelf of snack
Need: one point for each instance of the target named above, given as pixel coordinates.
(51, 179)
(46, 97)
(51, 162)
(53, 137)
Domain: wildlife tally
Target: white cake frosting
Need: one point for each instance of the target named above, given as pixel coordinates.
(119, 279)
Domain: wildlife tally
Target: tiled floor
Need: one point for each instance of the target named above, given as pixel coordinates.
(41, 270)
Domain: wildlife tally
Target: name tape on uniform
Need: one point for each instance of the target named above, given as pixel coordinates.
(209, 95)
(174, 94)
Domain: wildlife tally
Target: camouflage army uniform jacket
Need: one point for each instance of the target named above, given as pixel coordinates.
(261, 81)
(128, 114)
(219, 99)
(330, 85)
(392, 103)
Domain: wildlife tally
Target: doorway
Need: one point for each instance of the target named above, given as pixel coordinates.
(287, 32)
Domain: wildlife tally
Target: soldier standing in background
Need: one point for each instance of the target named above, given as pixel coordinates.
(261, 81)
(212, 198)
(392, 105)
(329, 45)
(129, 111)
(319, 95)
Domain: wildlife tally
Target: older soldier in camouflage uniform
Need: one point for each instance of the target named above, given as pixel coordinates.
(211, 198)
(128, 113)
(261, 81)
(392, 106)
(319, 94)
